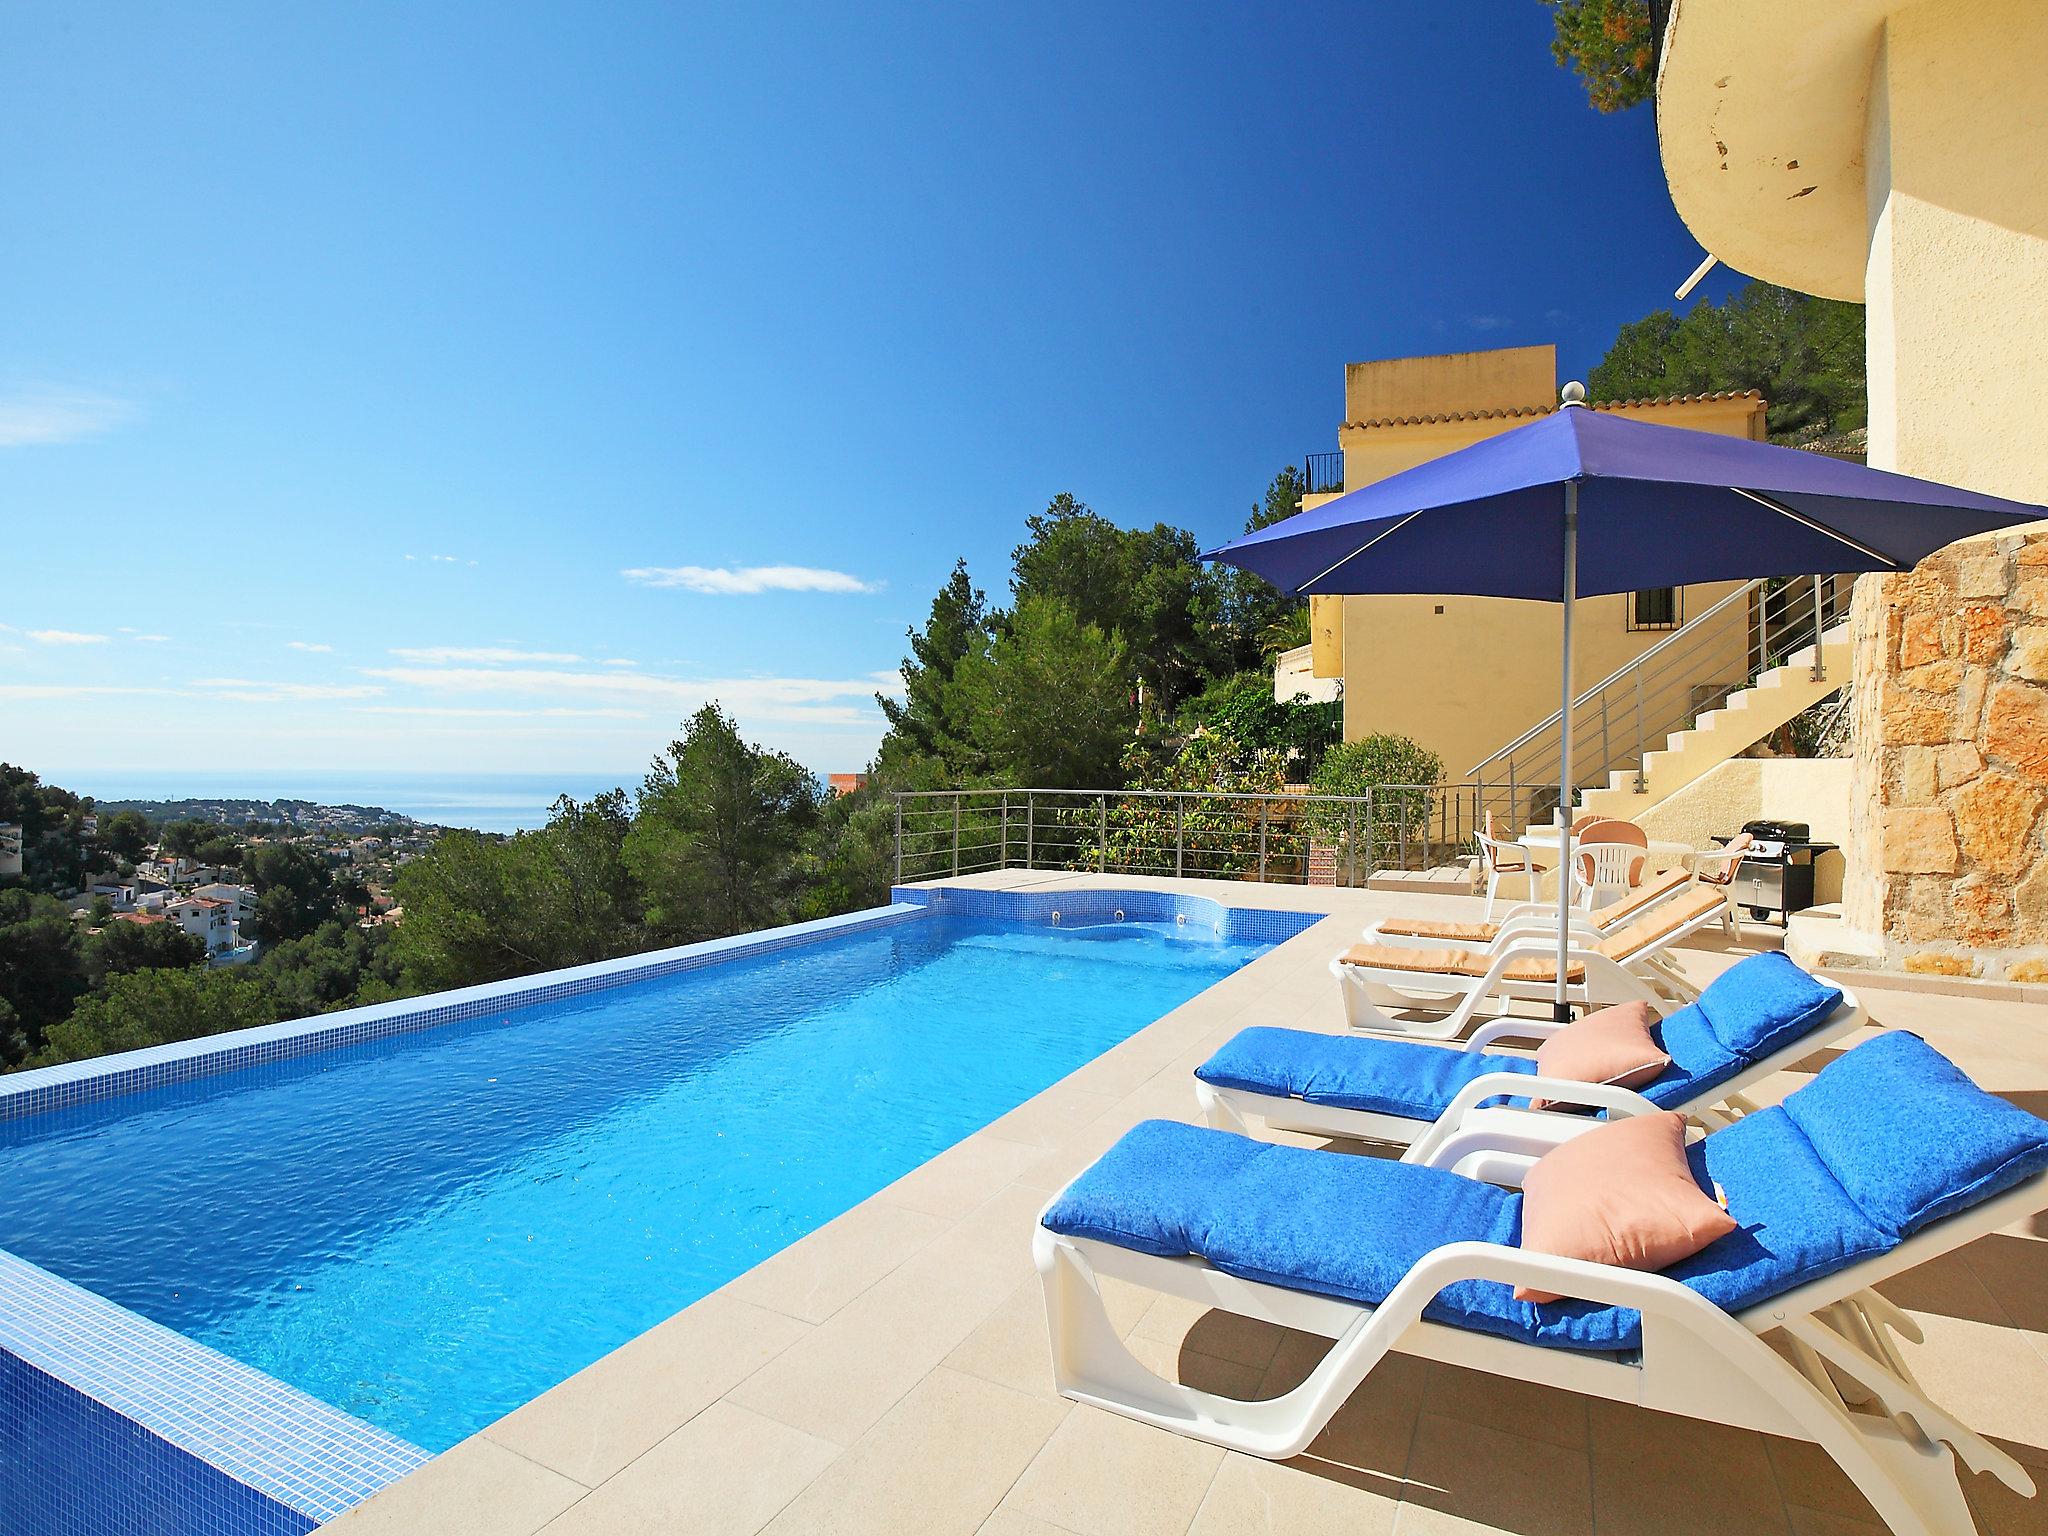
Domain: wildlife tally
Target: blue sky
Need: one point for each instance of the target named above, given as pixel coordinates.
(438, 386)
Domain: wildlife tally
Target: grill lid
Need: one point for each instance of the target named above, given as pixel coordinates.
(1779, 831)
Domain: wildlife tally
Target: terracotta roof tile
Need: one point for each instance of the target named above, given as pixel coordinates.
(1496, 413)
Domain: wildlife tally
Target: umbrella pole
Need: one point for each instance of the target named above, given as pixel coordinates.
(1559, 1008)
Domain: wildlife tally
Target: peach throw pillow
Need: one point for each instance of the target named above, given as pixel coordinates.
(1613, 1045)
(1621, 1194)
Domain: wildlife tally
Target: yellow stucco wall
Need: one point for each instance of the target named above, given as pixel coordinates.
(1919, 129)
(1956, 277)
(1464, 675)
(1812, 790)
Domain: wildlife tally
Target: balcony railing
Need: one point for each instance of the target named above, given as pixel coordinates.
(1323, 474)
(1320, 839)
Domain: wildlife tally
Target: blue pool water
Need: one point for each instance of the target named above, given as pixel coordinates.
(429, 1230)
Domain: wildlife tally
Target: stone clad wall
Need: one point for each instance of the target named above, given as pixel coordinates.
(1949, 844)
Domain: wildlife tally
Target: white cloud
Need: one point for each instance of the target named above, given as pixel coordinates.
(814, 700)
(49, 413)
(488, 655)
(152, 639)
(618, 661)
(30, 691)
(64, 637)
(459, 712)
(306, 645)
(726, 582)
(250, 691)
(442, 559)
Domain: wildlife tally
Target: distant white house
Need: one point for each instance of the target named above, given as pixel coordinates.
(212, 922)
(241, 899)
(1294, 678)
(120, 892)
(10, 849)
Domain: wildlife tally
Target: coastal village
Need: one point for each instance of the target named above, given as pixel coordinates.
(211, 898)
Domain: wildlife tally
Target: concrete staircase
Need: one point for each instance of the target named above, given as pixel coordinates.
(1738, 723)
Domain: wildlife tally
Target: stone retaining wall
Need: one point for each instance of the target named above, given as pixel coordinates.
(1948, 858)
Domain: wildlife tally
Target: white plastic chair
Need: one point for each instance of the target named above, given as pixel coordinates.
(1607, 872)
(1504, 858)
(1715, 868)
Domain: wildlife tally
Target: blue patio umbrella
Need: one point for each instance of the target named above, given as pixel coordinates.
(1584, 502)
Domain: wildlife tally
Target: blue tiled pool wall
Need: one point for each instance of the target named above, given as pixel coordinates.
(112, 1425)
(1081, 907)
(84, 1082)
(73, 1466)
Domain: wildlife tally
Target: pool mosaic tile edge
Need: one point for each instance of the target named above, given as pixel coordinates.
(242, 1428)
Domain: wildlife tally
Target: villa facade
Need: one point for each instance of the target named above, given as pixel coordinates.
(1889, 153)
(1465, 675)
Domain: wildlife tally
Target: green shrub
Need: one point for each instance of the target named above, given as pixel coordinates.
(1396, 772)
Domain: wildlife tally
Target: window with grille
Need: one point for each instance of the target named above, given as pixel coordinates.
(1653, 608)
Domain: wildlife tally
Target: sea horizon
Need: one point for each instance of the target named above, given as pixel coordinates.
(481, 802)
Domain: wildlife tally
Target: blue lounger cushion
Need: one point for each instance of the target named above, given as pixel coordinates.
(1910, 1137)
(1815, 1185)
(1409, 1078)
(1751, 1010)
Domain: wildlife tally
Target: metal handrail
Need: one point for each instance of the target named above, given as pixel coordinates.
(1235, 834)
(1793, 615)
(1549, 722)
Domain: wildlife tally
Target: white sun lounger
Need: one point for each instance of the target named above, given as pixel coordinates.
(1379, 982)
(1524, 916)
(1816, 1361)
(1758, 1017)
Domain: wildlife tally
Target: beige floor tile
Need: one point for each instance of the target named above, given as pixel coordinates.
(939, 1461)
(1950, 1286)
(1814, 1522)
(611, 1412)
(1052, 1117)
(475, 1489)
(2014, 1269)
(725, 1473)
(1369, 1440)
(963, 1178)
(1102, 1475)
(1466, 1478)
(2001, 1512)
(1007, 1522)
(1176, 1321)
(1249, 1497)
(857, 1366)
(1809, 1479)
(1500, 1402)
(1649, 1468)
(1011, 1347)
(1989, 1378)
(814, 1278)
(1190, 1367)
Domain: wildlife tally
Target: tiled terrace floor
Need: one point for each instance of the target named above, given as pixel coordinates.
(890, 1373)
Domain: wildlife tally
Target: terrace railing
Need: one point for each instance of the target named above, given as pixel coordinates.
(1322, 474)
(1693, 669)
(1296, 838)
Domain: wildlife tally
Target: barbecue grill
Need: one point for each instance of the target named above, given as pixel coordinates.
(1775, 877)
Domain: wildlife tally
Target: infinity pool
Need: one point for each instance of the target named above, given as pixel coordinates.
(430, 1229)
